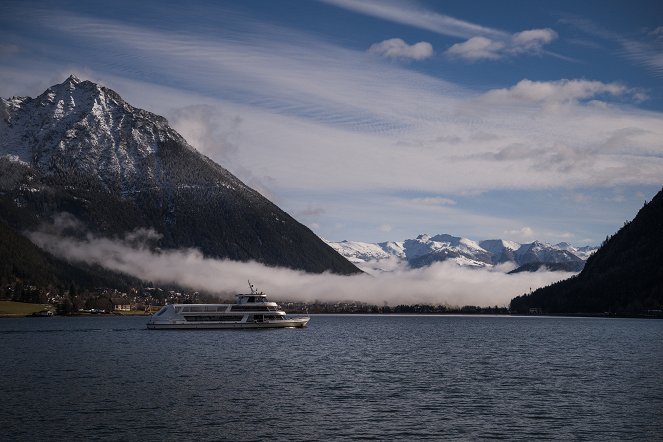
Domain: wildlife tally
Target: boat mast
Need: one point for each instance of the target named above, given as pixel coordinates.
(253, 289)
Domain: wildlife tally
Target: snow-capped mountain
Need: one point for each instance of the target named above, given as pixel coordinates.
(501, 250)
(541, 252)
(581, 252)
(425, 250)
(359, 252)
(80, 148)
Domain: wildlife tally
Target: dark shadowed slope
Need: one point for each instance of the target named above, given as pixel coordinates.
(624, 276)
(22, 261)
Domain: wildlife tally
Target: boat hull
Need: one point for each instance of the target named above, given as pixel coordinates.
(184, 325)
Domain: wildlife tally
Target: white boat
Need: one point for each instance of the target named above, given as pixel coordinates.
(249, 311)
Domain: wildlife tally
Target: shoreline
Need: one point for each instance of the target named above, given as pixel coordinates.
(500, 315)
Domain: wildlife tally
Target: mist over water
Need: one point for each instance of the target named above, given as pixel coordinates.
(443, 283)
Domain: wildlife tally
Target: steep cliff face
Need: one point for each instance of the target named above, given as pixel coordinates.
(80, 148)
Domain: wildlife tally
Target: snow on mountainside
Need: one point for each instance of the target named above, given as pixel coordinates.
(581, 252)
(542, 252)
(358, 252)
(80, 148)
(425, 250)
(79, 125)
(501, 250)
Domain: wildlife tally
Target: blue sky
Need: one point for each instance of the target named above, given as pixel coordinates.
(374, 121)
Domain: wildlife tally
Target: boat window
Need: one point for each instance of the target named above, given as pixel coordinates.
(230, 318)
(221, 308)
(249, 308)
(203, 318)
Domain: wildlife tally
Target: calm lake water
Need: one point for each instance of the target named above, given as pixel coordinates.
(343, 377)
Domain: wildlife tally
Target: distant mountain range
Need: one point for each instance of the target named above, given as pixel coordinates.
(624, 276)
(79, 148)
(425, 250)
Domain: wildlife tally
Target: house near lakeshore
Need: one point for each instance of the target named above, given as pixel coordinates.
(121, 305)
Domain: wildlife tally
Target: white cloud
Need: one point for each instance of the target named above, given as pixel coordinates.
(441, 283)
(532, 40)
(482, 42)
(385, 228)
(559, 149)
(477, 48)
(207, 129)
(561, 91)
(433, 201)
(522, 234)
(317, 123)
(397, 48)
(484, 48)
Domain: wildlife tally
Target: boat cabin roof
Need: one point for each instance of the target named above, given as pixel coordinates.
(244, 298)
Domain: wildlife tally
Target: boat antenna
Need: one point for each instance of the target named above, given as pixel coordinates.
(253, 290)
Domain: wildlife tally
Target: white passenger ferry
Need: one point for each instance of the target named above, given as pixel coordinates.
(249, 311)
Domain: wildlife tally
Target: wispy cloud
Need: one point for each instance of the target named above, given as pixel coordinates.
(292, 73)
(397, 48)
(409, 13)
(645, 49)
(647, 53)
(482, 42)
(317, 125)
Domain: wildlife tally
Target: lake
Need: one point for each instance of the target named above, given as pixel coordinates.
(343, 377)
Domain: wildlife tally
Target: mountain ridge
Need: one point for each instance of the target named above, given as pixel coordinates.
(425, 250)
(79, 148)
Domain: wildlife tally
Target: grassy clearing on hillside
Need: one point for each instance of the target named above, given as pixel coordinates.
(11, 308)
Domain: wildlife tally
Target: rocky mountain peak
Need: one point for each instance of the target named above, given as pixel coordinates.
(82, 125)
(73, 79)
(80, 148)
